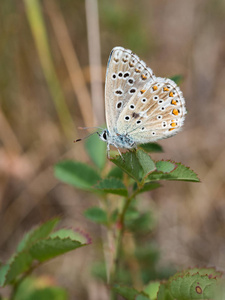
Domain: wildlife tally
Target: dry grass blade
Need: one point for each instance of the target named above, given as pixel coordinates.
(71, 61)
(92, 19)
(36, 21)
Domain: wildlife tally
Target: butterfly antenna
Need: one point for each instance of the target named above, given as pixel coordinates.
(78, 140)
(91, 128)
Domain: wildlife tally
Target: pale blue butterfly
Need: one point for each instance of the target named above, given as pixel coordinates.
(140, 107)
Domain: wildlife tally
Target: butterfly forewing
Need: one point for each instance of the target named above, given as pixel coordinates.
(126, 77)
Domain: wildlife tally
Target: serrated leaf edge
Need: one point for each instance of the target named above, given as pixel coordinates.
(177, 164)
(43, 239)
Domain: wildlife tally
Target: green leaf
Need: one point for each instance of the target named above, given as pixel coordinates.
(126, 292)
(115, 172)
(39, 288)
(52, 247)
(177, 79)
(53, 293)
(76, 235)
(151, 147)
(142, 296)
(19, 264)
(211, 272)
(149, 186)
(3, 271)
(97, 215)
(193, 286)
(77, 174)
(146, 162)
(96, 149)
(181, 172)
(143, 223)
(164, 293)
(129, 164)
(112, 186)
(38, 233)
(165, 166)
(131, 214)
(152, 289)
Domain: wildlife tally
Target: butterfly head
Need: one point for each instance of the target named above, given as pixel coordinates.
(104, 135)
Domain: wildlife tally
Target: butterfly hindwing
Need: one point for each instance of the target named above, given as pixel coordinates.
(155, 113)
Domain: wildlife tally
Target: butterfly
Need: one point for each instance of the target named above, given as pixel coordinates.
(140, 107)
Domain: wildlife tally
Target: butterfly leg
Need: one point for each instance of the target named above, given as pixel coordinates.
(119, 151)
(108, 150)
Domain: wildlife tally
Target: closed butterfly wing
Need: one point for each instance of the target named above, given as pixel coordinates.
(125, 77)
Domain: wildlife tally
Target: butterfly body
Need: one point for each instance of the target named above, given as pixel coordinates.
(117, 140)
(140, 107)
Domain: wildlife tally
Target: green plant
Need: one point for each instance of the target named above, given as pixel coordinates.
(119, 190)
(38, 246)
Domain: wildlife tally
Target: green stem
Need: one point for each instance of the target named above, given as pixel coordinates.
(21, 279)
(118, 243)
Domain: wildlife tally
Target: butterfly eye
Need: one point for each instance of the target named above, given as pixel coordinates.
(104, 135)
(127, 118)
(114, 76)
(130, 81)
(156, 98)
(132, 106)
(119, 104)
(143, 100)
(120, 74)
(132, 91)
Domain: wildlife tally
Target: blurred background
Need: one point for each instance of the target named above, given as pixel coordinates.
(53, 57)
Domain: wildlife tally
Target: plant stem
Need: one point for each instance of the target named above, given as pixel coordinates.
(21, 279)
(118, 243)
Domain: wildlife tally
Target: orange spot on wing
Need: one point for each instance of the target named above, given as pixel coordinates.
(173, 102)
(171, 94)
(143, 76)
(173, 124)
(175, 112)
(171, 129)
(155, 88)
(142, 91)
(137, 71)
(166, 89)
